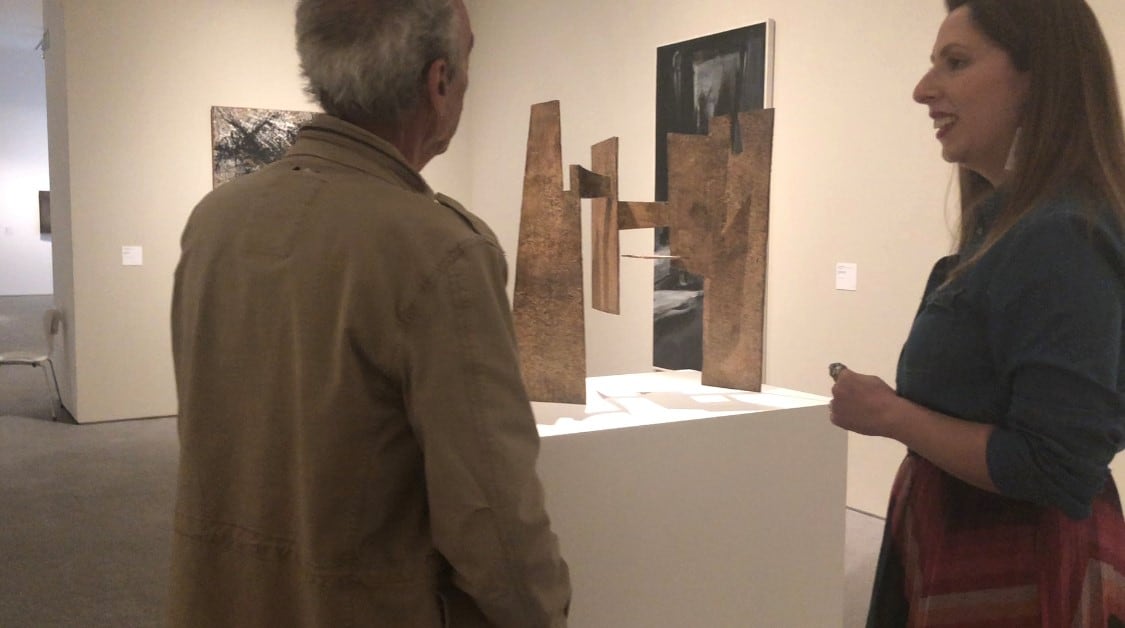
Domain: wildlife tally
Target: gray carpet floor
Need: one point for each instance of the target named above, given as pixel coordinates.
(85, 511)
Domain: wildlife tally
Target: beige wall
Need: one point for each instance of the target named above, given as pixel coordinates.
(132, 83)
(857, 172)
(857, 176)
(139, 79)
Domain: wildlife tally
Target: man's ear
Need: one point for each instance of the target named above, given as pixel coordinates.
(437, 82)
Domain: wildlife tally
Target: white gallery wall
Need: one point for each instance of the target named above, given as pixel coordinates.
(131, 85)
(857, 173)
(25, 256)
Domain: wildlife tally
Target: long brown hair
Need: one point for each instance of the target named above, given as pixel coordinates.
(1071, 130)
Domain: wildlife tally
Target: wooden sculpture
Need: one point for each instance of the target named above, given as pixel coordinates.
(718, 212)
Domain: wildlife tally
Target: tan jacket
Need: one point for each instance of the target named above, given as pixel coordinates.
(357, 448)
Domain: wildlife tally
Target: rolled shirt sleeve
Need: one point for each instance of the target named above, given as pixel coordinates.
(1054, 310)
(467, 404)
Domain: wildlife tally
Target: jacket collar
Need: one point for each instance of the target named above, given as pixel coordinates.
(329, 137)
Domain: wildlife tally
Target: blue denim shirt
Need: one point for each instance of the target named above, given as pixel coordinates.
(1030, 339)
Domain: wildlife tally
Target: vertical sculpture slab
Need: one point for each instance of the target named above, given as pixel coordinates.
(605, 276)
(720, 225)
(548, 302)
(697, 166)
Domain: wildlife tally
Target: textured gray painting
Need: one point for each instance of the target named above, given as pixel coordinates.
(243, 140)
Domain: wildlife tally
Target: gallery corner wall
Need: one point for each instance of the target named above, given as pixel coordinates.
(131, 84)
(130, 87)
(857, 174)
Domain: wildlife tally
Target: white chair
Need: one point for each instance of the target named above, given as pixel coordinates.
(51, 322)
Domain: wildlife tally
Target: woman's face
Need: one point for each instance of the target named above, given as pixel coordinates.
(975, 96)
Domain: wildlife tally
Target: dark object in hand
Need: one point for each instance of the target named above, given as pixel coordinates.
(835, 369)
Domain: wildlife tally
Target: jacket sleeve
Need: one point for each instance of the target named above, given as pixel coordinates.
(1055, 324)
(470, 413)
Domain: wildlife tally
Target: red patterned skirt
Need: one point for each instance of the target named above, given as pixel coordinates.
(959, 557)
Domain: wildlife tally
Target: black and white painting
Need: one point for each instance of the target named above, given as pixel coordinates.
(696, 80)
(243, 139)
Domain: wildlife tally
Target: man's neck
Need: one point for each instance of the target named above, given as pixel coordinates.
(409, 137)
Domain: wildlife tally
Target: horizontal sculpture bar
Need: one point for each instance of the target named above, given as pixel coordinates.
(635, 215)
(589, 184)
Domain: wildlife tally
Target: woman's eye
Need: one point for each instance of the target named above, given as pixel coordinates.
(955, 63)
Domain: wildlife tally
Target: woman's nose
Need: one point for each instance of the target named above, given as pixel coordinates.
(925, 91)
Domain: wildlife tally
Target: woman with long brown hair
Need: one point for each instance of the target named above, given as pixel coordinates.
(1011, 384)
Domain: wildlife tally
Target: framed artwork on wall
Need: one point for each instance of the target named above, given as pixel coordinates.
(697, 80)
(44, 214)
(243, 139)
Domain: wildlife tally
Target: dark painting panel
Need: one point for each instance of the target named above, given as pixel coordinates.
(44, 213)
(243, 140)
(697, 80)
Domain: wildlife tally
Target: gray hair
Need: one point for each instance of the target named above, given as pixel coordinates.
(365, 60)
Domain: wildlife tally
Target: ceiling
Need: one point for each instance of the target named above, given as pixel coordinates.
(21, 23)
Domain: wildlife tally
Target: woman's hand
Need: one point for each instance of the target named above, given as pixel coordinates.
(864, 404)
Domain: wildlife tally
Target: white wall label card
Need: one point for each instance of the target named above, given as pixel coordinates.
(847, 276)
(132, 256)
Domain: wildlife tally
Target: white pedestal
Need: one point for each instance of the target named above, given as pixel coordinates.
(681, 506)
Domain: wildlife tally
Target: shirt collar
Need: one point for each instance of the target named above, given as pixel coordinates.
(331, 138)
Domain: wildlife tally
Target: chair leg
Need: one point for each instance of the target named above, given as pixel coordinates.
(47, 381)
(57, 401)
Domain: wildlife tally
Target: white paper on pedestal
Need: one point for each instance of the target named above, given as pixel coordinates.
(633, 400)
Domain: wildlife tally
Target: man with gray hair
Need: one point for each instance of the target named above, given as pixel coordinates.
(356, 445)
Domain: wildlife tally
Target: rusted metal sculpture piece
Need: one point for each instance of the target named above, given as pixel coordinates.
(718, 211)
(548, 303)
(719, 226)
(605, 271)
